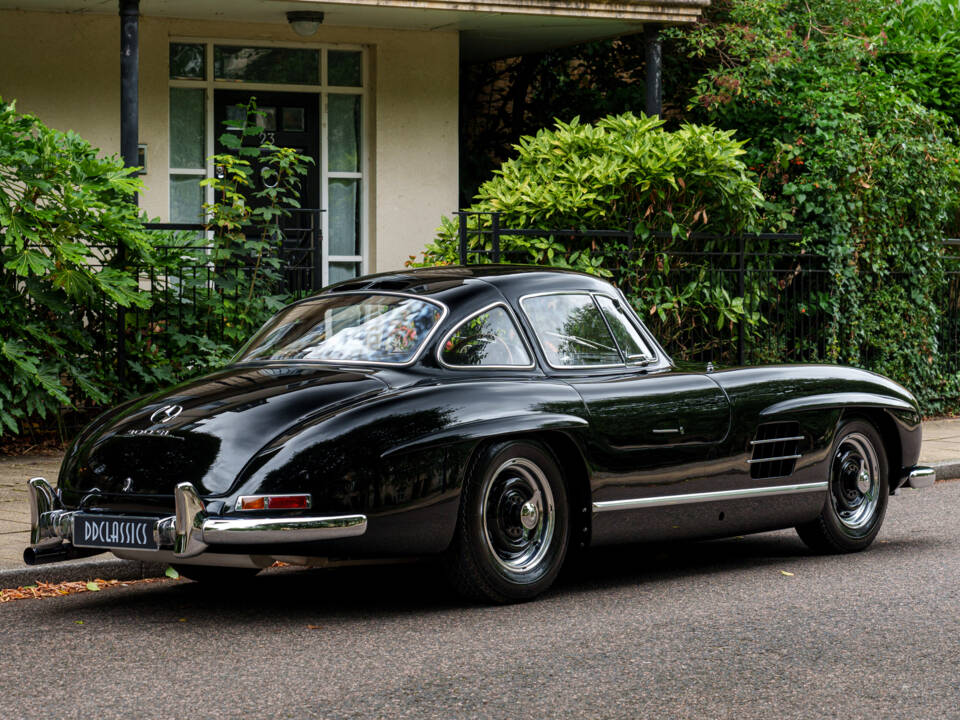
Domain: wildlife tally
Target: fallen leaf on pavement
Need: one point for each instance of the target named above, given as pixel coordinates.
(47, 590)
(788, 574)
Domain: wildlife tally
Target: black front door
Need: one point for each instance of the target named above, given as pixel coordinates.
(290, 120)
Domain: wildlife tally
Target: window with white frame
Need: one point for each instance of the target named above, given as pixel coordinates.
(335, 75)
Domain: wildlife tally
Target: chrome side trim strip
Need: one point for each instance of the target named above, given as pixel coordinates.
(665, 500)
(774, 459)
(776, 440)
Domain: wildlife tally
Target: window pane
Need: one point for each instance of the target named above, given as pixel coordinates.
(187, 62)
(344, 222)
(355, 328)
(627, 335)
(488, 339)
(268, 65)
(186, 199)
(343, 116)
(187, 121)
(345, 68)
(571, 330)
(340, 271)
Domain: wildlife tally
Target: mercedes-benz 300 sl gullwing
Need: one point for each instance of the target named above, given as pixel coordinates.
(491, 417)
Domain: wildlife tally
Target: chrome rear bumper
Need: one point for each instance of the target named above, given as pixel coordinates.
(189, 532)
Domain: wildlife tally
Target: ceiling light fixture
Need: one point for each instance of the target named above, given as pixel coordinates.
(306, 23)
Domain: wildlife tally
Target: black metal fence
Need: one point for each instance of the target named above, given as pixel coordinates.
(780, 292)
(195, 293)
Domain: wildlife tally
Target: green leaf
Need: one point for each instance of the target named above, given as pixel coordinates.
(171, 572)
(93, 587)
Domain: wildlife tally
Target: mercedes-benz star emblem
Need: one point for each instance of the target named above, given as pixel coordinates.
(166, 413)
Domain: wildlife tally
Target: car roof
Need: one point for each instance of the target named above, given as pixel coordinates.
(511, 280)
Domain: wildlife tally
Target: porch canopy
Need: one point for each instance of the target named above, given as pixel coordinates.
(488, 28)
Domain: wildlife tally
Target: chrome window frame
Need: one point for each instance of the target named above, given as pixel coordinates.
(481, 311)
(589, 294)
(644, 360)
(660, 355)
(444, 313)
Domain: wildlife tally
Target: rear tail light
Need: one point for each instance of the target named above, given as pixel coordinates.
(273, 502)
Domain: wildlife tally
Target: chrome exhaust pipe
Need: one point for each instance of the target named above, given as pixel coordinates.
(57, 553)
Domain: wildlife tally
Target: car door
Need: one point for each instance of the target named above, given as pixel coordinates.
(655, 430)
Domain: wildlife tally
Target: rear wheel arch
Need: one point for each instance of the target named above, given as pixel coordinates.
(573, 468)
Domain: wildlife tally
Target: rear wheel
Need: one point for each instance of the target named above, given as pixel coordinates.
(513, 528)
(858, 492)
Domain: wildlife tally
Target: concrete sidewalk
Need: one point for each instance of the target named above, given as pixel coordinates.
(941, 449)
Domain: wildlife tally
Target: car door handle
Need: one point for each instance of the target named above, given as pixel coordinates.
(667, 431)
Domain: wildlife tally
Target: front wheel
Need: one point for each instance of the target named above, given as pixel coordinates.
(513, 528)
(858, 492)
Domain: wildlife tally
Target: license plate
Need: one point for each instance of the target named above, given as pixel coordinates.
(114, 531)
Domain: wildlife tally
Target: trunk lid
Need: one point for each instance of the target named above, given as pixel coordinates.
(205, 431)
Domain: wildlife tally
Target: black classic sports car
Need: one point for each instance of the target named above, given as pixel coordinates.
(493, 417)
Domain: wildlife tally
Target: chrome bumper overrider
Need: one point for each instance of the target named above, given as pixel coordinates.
(921, 477)
(189, 532)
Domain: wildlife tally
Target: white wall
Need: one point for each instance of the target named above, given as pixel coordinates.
(65, 68)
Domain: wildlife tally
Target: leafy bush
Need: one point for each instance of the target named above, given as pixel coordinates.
(625, 172)
(921, 50)
(185, 304)
(63, 209)
(869, 174)
(209, 297)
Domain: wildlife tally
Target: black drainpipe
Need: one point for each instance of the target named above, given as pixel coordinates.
(129, 133)
(654, 58)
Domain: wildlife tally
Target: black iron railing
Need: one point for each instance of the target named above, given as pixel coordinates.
(784, 293)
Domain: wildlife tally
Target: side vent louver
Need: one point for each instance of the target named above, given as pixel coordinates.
(775, 450)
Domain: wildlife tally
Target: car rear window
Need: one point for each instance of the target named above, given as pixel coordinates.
(348, 327)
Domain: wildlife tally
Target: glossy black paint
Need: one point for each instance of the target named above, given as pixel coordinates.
(395, 443)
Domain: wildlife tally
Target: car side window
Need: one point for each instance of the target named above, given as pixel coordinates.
(490, 339)
(626, 333)
(571, 330)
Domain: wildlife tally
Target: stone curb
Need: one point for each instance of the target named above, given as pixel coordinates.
(947, 469)
(114, 569)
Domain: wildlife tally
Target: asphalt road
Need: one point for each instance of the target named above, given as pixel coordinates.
(709, 630)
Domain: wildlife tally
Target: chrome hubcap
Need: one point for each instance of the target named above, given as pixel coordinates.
(855, 481)
(518, 516)
(529, 515)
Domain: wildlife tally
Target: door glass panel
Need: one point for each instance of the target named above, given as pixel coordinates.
(571, 330)
(345, 68)
(628, 337)
(343, 116)
(186, 199)
(488, 339)
(343, 271)
(266, 65)
(187, 121)
(188, 61)
(344, 221)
